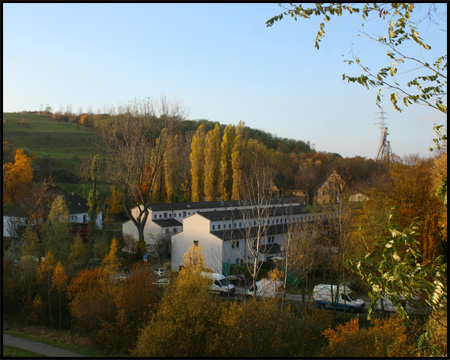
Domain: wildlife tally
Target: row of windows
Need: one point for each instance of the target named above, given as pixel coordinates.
(269, 222)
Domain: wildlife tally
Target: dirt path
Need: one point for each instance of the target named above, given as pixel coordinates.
(37, 347)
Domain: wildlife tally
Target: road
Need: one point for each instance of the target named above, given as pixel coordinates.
(38, 347)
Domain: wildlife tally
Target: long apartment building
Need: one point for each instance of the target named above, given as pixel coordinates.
(167, 219)
(228, 236)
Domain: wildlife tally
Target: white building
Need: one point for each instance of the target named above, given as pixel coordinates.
(226, 235)
(17, 217)
(168, 219)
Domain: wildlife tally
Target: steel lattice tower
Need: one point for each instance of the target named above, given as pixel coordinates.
(384, 148)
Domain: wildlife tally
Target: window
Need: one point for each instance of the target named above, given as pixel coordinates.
(240, 224)
(229, 226)
(174, 215)
(254, 223)
(160, 216)
(155, 216)
(235, 225)
(214, 227)
(235, 244)
(184, 213)
(174, 230)
(165, 215)
(277, 221)
(237, 261)
(218, 227)
(167, 231)
(170, 215)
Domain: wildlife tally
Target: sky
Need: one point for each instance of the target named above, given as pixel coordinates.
(221, 62)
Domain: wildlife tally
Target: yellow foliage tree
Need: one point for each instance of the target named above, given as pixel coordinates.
(17, 178)
(59, 282)
(237, 163)
(226, 170)
(45, 275)
(197, 163)
(212, 163)
(170, 168)
(187, 319)
(384, 338)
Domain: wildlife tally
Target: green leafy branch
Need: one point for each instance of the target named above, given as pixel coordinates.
(395, 270)
(400, 29)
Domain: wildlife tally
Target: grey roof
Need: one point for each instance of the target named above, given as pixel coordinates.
(75, 204)
(251, 213)
(242, 233)
(167, 223)
(211, 204)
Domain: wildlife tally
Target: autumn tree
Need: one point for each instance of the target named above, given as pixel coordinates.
(114, 205)
(384, 338)
(87, 301)
(93, 200)
(198, 163)
(78, 256)
(187, 319)
(128, 143)
(91, 294)
(226, 170)
(59, 282)
(170, 168)
(44, 275)
(17, 178)
(136, 300)
(237, 163)
(57, 236)
(212, 163)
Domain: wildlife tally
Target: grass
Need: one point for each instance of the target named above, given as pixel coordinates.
(64, 141)
(64, 339)
(11, 351)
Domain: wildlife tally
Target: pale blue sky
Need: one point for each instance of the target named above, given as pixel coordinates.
(219, 60)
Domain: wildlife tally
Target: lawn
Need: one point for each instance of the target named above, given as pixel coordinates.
(63, 339)
(11, 351)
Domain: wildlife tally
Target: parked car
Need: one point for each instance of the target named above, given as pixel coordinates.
(161, 283)
(219, 284)
(236, 279)
(266, 288)
(160, 272)
(324, 298)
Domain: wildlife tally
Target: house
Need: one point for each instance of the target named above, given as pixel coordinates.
(225, 235)
(168, 219)
(330, 189)
(16, 218)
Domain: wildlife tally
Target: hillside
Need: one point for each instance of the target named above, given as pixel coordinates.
(62, 146)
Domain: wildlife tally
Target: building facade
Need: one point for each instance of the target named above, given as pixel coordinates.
(231, 236)
(168, 219)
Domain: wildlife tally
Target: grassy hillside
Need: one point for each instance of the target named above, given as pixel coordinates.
(42, 135)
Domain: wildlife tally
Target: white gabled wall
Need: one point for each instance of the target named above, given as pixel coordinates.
(196, 228)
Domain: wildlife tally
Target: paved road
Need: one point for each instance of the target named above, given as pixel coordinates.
(37, 347)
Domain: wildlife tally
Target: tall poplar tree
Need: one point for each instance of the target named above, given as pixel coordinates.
(170, 169)
(197, 163)
(226, 171)
(237, 163)
(212, 162)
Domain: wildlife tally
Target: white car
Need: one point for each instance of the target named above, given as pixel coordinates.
(163, 282)
(160, 272)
